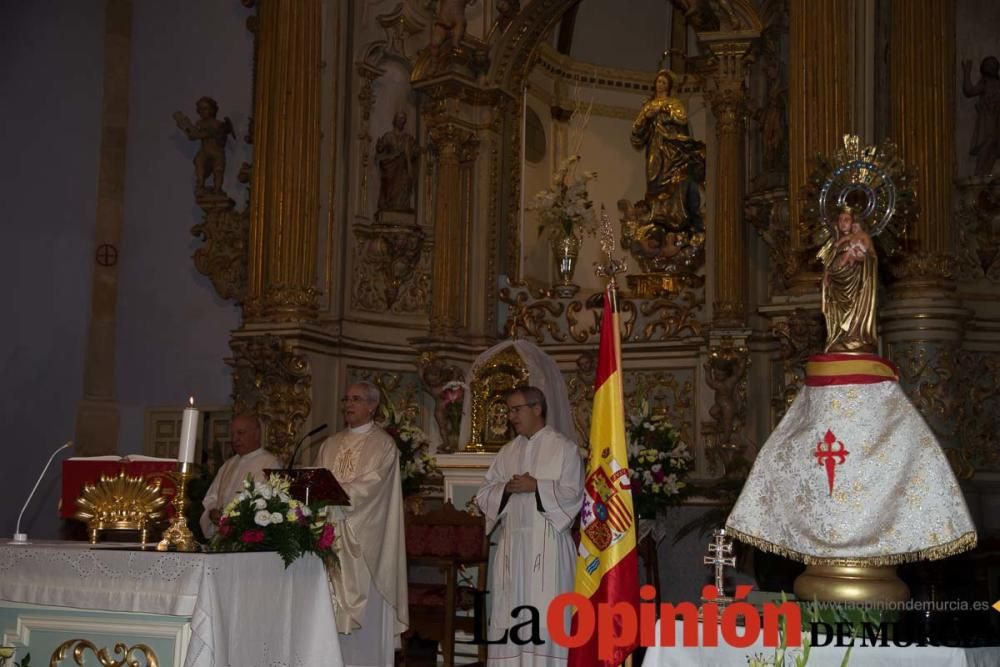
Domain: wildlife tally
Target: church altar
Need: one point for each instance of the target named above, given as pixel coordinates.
(194, 610)
(819, 656)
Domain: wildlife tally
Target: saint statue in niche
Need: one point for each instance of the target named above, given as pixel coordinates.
(773, 119)
(213, 134)
(396, 154)
(850, 281)
(986, 135)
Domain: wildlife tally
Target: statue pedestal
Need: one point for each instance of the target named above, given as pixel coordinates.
(463, 475)
(841, 583)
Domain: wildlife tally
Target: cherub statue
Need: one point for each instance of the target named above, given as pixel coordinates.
(723, 375)
(450, 22)
(213, 133)
(986, 135)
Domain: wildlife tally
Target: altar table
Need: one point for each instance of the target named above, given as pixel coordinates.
(217, 610)
(820, 656)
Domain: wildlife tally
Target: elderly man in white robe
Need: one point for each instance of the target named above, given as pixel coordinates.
(531, 496)
(249, 458)
(370, 583)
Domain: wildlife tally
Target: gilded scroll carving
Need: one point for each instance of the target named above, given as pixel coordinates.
(544, 318)
(978, 219)
(668, 391)
(979, 423)
(393, 271)
(271, 379)
(800, 335)
(123, 655)
(768, 213)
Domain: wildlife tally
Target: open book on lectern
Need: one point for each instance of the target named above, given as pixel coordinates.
(314, 484)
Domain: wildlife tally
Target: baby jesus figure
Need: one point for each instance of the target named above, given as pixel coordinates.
(852, 248)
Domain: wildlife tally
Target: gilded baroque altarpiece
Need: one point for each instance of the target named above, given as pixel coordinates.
(406, 248)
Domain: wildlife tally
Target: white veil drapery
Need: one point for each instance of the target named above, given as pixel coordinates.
(542, 373)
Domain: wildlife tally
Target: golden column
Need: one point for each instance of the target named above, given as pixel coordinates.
(820, 108)
(924, 323)
(922, 83)
(285, 195)
(456, 151)
(728, 101)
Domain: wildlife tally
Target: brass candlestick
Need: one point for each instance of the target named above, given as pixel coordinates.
(177, 535)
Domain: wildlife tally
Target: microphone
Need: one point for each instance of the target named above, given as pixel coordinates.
(295, 451)
(22, 538)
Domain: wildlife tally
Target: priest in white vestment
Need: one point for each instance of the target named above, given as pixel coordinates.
(249, 458)
(370, 582)
(531, 496)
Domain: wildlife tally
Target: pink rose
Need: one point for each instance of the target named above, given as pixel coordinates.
(252, 536)
(225, 528)
(326, 537)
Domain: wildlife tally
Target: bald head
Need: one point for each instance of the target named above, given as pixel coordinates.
(245, 433)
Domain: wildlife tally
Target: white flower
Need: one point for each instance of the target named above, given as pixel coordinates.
(262, 518)
(259, 504)
(276, 517)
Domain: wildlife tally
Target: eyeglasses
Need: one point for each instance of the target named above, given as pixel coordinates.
(515, 408)
(353, 399)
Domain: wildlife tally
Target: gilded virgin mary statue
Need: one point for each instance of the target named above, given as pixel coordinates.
(665, 231)
(850, 281)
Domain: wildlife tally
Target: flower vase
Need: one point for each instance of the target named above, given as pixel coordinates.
(566, 250)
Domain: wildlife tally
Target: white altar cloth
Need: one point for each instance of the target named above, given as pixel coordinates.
(819, 656)
(246, 610)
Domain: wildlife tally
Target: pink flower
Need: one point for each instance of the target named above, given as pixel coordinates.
(326, 537)
(252, 536)
(225, 528)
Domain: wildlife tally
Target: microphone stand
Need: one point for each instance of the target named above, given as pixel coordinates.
(295, 451)
(19, 537)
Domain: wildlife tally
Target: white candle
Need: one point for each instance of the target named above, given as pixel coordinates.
(189, 433)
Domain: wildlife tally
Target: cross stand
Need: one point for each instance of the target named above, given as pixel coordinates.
(720, 555)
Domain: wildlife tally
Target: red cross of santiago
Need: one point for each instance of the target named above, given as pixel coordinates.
(830, 452)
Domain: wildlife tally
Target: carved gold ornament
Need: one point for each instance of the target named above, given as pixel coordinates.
(269, 378)
(393, 272)
(121, 502)
(490, 384)
(545, 319)
(873, 181)
(123, 654)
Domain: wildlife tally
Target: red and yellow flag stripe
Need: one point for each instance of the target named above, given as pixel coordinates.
(607, 570)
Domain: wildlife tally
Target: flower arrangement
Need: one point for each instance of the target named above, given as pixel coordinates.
(453, 398)
(264, 517)
(415, 464)
(564, 208)
(658, 461)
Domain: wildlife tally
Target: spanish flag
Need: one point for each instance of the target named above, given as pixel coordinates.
(607, 569)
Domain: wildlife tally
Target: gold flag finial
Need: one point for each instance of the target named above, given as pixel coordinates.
(612, 266)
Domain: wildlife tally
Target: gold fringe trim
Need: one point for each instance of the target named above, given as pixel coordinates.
(956, 546)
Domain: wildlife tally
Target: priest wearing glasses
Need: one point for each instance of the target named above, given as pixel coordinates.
(370, 585)
(531, 496)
